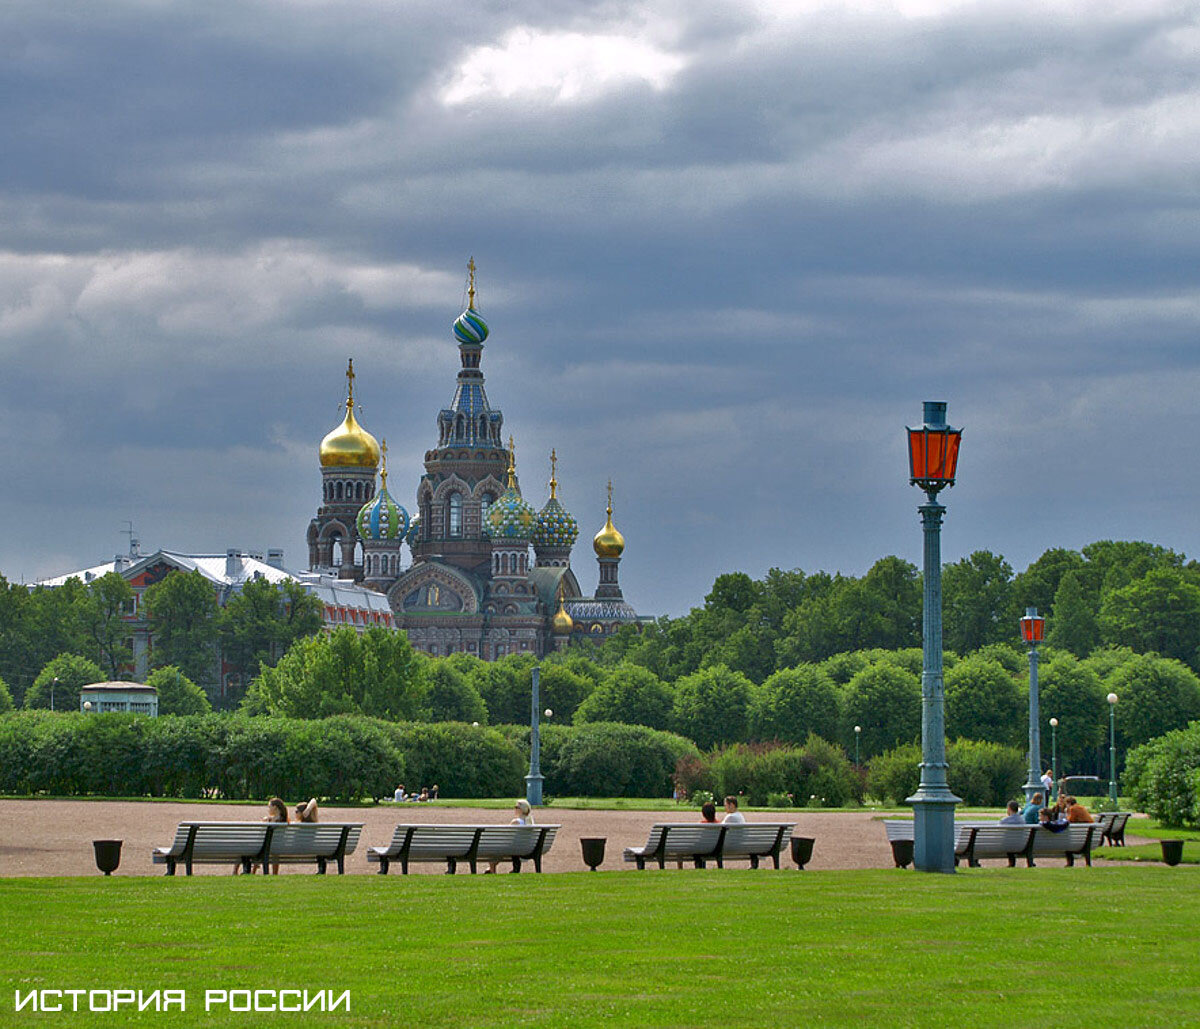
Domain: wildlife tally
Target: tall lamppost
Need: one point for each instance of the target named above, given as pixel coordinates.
(857, 737)
(1033, 631)
(53, 683)
(932, 459)
(534, 780)
(1054, 757)
(1112, 749)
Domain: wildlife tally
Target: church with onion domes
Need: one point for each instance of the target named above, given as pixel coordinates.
(476, 569)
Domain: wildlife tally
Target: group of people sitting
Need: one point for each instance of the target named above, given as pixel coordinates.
(1066, 811)
(427, 793)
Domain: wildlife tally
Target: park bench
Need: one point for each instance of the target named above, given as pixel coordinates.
(470, 843)
(264, 843)
(700, 843)
(972, 841)
(1112, 827)
(1076, 840)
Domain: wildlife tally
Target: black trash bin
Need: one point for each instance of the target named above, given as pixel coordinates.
(802, 847)
(1172, 851)
(593, 850)
(902, 852)
(108, 855)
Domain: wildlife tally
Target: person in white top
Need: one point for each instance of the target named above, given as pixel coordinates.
(732, 815)
(524, 816)
(1047, 782)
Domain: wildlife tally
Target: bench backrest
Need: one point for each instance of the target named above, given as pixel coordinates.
(515, 840)
(1001, 839)
(1073, 838)
(898, 829)
(223, 839)
(320, 839)
(755, 837)
(438, 842)
(683, 838)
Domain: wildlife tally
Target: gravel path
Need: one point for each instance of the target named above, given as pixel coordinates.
(54, 837)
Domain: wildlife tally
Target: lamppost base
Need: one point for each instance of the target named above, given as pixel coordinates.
(1031, 788)
(933, 830)
(533, 789)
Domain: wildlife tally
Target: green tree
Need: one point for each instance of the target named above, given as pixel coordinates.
(793, 703)
(101, 619)
(1039, 584)
(259, 624)
(506, 686)
(376, 674)
(177, 694)
(976, 595)
(629, 694)
(983, 702)
(1106, 660)
(1160, 613)
(72, 672)
(1073, 617)
(35, 626)
(181, 611)
(452, 698)
(6, 701)
(886, 701)
(712, 706)
(1070, 691)
(1155, 695)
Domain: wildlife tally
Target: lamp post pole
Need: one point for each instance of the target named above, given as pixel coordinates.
(1054, 758)
(53, 683)
(1032, 632)
(533, 781)
(1112, 749)
(857, 737)
(933, 453)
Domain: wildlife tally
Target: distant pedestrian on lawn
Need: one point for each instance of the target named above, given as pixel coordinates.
(307, 812)
(1014, 816)
(1032, 808)
(523, 815)
(398, 796)
(732, 815)
(1047, 782)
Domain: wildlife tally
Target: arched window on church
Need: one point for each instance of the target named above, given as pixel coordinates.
(426, 520)
(458, 427)
(338, 491)
(358, 554)
(483, 433)
(335, 550)
(485, 504)
(456, 514)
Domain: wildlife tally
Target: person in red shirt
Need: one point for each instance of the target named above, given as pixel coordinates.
(1076, 812)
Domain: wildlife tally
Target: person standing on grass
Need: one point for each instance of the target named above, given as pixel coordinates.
(1030, 813)
(523, 816)
(732, 815)
(1047, 782)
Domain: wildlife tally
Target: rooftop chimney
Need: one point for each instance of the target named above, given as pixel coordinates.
(233, 563)
(275, 558)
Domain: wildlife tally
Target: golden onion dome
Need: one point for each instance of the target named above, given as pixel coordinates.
(349, 445)
(562, 622)
(608, 542)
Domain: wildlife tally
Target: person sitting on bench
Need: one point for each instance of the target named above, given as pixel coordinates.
(732, 815)
(524, 816)
(1014, 816)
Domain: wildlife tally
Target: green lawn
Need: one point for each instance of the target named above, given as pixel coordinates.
(694, 949)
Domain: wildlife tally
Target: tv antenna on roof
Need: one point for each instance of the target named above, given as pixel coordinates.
(134, 542)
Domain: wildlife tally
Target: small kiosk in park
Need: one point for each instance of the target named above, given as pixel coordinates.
(102, 697)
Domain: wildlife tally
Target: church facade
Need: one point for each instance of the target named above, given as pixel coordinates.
(487, 574)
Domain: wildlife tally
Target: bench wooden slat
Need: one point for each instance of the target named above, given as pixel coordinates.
(470, 843)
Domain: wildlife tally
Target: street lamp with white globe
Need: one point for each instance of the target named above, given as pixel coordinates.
(1054, 757)
(857, 737)
(1112, 749)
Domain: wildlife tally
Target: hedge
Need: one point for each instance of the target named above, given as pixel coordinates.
(344, 758)
(817, 773)
(982, 774)
(605, 759)
(1163, 777)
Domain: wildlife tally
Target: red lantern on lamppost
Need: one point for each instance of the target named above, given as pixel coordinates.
(933, 450)
(1033, 627)
(1033, 632)
(932, 460)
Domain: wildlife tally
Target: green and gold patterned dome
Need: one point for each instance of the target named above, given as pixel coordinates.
(556, 529)
(381, 518)
(509, 517)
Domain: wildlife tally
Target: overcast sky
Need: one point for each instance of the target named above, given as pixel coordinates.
(725, 249)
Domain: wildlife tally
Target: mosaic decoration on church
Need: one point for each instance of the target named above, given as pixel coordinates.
(510, 517)
(555, 527)
(382, 518)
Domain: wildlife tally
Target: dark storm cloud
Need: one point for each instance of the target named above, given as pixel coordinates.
(726, 250)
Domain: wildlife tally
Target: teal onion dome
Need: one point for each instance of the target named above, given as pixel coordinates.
(556, 529)
(510, 518)
(381, 518)
(470, 327)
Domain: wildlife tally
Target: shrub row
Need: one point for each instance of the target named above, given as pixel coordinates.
(605, 759)
(1163, 777)
(341, 758)
(818, 772)
(982, 774)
